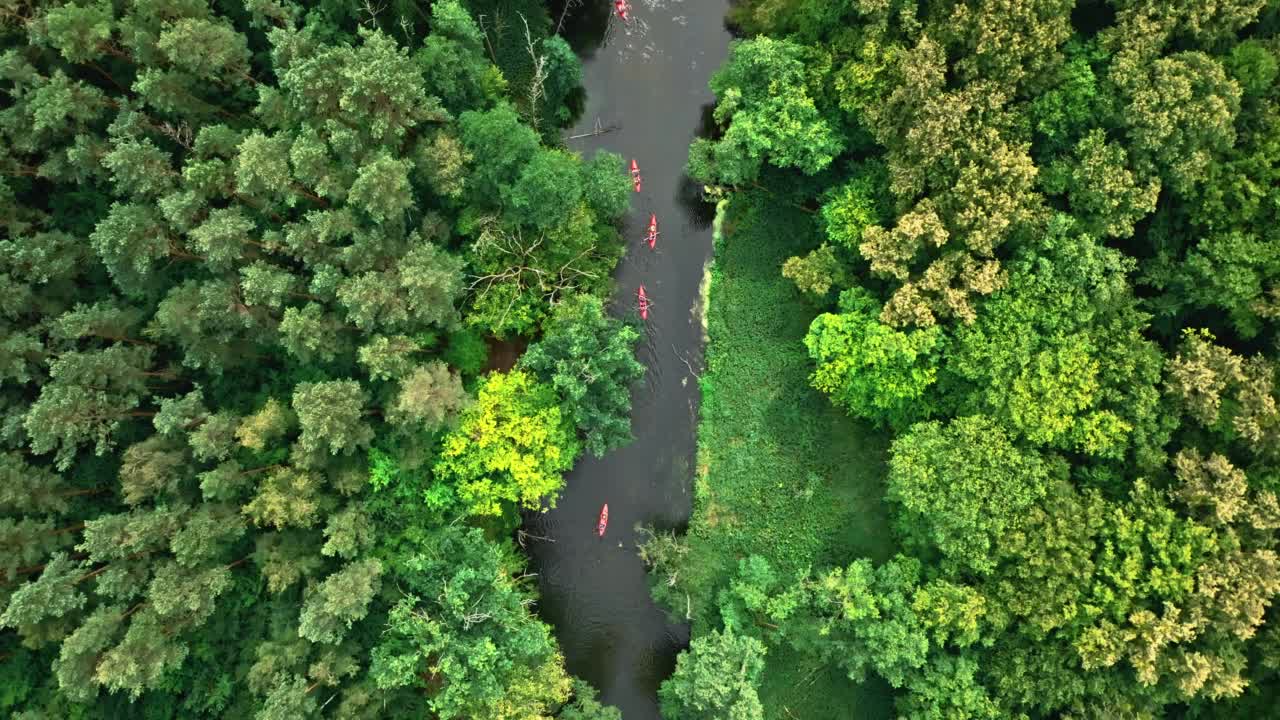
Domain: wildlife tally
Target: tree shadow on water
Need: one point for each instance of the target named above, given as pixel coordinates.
(583, 23)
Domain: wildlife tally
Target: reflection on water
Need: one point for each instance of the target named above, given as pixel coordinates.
(707, 126)
(583, 23)
(700, 212)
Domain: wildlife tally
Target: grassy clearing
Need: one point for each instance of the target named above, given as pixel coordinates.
(781, 473)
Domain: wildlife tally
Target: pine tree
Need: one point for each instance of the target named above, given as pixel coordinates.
(339, 601)
(331, 415)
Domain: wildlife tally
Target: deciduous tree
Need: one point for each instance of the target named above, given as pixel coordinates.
(717, 677)
(870, 369)
(963, 485)
(463, 630)
(511, 447)
(1180, 113)
(1104, 194)
(769, 113)
(589, 358)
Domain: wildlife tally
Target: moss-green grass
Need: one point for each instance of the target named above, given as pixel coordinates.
(781, 472)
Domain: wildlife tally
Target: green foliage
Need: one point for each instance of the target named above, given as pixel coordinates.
(606, 186)
(782, 474)
(963, 485)
(563, 72)
(507, 45)
(1233, 271)
(950, 689)
(1059, 355)
(501, 146)
(66, 417)
(816, 273)
(428, 398)
(465, 350)
(715, 678)
(342, 599)
(1015, 45)
(382, 189)
(770, 114)
(331, 416)
(589, 358)
(1103, 192)
(664, 553)
(78, 31)
(419, 291)
(1253, 67)
(1070, 105)
(759, 597)
(1181, 112)
(462, 632)
(875, 372)
(265, 427)
(521, 273)
(586, 707)
(1089, 505)
(50, 596)
(549, 189)
(388, 358)
(511, 447)
(16, 676)
(1231, 395)
(236, 248)
(849, 209)
(871, 619)
(461, 75)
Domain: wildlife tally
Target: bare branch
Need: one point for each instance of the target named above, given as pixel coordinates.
(686, 362)
(487, 41)
(599, 129)
(564, 12)
(536, 83)
(372, 11)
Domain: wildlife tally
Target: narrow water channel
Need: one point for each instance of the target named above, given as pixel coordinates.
(649, 79)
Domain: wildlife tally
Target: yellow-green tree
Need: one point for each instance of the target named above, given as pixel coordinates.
(511, 448)
(868, 368)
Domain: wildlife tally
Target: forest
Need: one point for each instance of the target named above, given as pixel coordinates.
(257, 459)
(304, 306)
(1031, 252)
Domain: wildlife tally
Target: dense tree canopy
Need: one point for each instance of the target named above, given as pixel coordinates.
(475, 638)
(249, 256)
(1044, 256)
(963, 485)
(716, 678)
(765, 102)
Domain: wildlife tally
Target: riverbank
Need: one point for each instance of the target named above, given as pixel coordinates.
(781, 473)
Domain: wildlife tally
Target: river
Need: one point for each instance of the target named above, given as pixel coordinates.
(649, 78)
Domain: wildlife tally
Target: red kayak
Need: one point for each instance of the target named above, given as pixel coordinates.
(623, 8)
(635, 175)
(642, 301)
(652, 238)
(604, 520)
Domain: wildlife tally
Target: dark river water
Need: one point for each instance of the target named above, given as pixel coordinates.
(648, 78)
